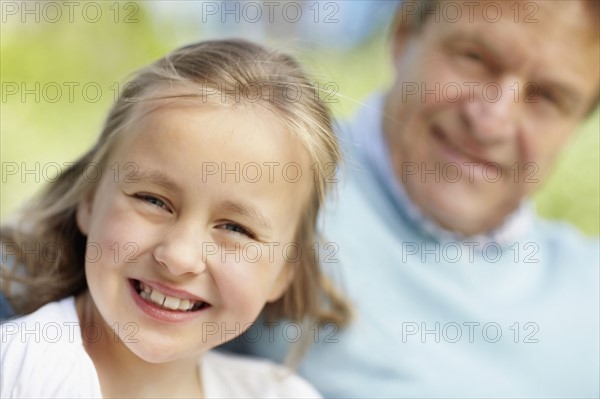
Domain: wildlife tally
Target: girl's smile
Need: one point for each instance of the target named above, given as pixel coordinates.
(164, 307)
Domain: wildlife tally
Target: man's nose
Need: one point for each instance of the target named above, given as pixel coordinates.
(493, 113)
(181, 249)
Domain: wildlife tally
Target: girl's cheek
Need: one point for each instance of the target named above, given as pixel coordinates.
(243, 285)
(119, 238)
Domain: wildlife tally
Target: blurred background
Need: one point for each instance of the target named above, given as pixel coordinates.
(63, 63)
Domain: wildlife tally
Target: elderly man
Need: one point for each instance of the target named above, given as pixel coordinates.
(459, 290)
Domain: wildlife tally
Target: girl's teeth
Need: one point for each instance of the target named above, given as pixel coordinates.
(171, 303)
(157, 297)
(185, 304)
(165, 301)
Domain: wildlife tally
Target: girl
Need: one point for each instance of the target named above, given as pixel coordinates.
(196, 207)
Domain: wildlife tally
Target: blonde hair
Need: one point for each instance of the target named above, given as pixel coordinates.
(208, 71)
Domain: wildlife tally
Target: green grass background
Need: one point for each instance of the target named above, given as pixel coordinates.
(106, 52)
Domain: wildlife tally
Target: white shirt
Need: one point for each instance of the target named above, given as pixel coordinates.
(42, 355)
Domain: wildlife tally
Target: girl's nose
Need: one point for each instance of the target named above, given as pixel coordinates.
(180, 250)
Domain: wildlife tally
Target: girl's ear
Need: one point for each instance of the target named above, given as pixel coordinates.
(283, 282)
(83, 214)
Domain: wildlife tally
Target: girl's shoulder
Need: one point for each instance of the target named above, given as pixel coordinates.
(42, 355)
(226, 375)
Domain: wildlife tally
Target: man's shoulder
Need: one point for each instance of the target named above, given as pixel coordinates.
(565, 237)
(564, 246)
(229, 375)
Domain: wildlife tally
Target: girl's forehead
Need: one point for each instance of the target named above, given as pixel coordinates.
(237, 137)
(172, 118)
(190, 102)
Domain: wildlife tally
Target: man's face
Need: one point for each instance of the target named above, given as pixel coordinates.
(480, 109)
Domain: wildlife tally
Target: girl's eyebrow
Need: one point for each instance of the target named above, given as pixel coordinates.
(244, 210)
(155, 177)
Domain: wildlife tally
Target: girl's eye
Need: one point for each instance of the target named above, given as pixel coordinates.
(152, 200)
(236, 228)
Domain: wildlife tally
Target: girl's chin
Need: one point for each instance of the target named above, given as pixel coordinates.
(156, 352)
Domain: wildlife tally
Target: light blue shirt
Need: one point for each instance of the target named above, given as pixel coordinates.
(513, 313)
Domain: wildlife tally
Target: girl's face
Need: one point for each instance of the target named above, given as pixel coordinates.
(191, 228)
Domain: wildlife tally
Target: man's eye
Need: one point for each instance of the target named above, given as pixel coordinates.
(548, 96)
(535, 94)
(473, 56)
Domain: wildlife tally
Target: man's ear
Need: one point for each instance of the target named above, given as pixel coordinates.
(83, 214)
(283, 282)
